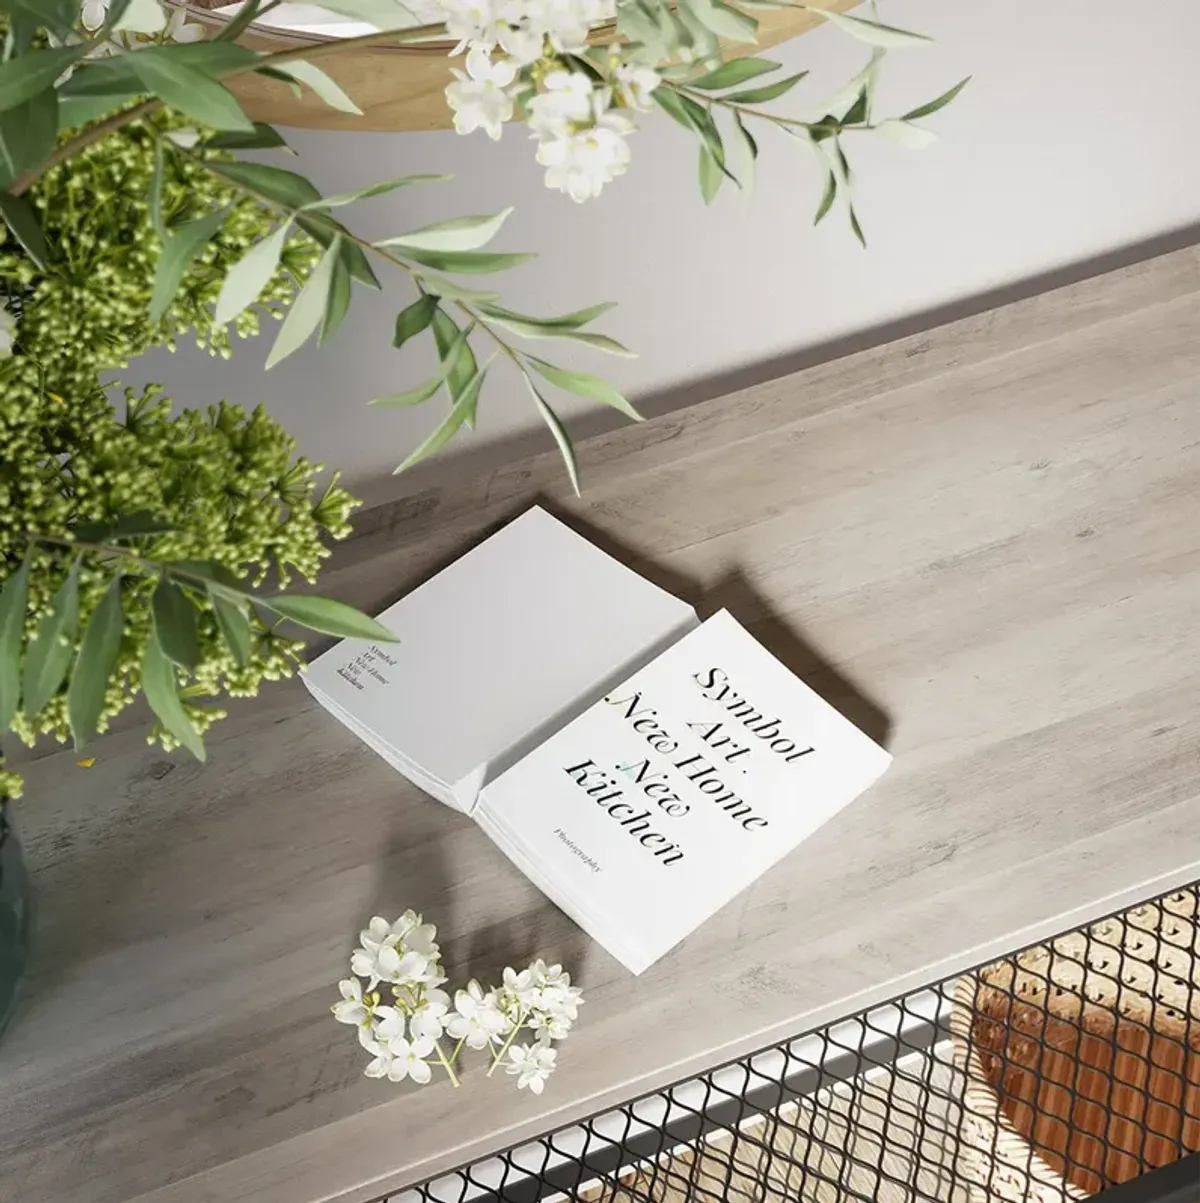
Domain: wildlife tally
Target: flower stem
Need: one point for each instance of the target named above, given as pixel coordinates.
(521, 1017)
(448, 1065)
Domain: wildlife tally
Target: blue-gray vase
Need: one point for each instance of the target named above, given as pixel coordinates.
(15, 916)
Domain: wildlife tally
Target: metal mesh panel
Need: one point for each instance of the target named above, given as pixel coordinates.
(1051, 1075)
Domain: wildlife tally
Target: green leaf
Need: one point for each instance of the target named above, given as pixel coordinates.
(340, 289)
(308, 309)
(584, 385)
(695, 36)
(411, 321)
(181, 247)
(696, 118)
(565, 447)
(924, 110)
(710, 175)
(21, 218)
(451, 290)
(458, 234)
(325, 88)
(467, 262)
(52, 646)
(872, 32)
(683, 109)
(827, 197)
(111, 77)
(353, 256)
(568, 321)
(18, 39)
(262, 137)
(858, 232)
(464, 408)
(457, 351)
(768, 92)
(234, 626)
(94, 665)
(842, 161)
(162, 692)
(274, 73)
(323, 230)
(190, 91)
(23, 78)
(726, 21)
(213, 58)
(463, 365)
(907, 135)
(735, 71)
(413, 396)
(749, 153)
(13, 599)
(175, 624)
(531, 328)
(250, 275)
(27, 134)
(348, 198)
(56, 15)
(329, 617)
(857, 112)
(74, 111)
(271, 183)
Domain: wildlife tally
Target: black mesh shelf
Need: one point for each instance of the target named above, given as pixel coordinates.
(1069, 1070)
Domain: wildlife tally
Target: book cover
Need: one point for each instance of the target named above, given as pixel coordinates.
(677, 789)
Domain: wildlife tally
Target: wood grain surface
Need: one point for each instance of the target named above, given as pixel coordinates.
(980, 542)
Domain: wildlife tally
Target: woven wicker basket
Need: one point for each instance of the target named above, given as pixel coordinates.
(401, 87)
(1082, 1057)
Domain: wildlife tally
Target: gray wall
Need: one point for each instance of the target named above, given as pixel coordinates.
(1075, 140)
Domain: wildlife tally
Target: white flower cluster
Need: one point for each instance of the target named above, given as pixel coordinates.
(405, 1037)
(531, 52)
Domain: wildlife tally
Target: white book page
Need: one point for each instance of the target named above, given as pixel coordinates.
(664, 800)
(496, 650)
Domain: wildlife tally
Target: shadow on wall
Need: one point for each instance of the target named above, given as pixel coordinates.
(469, 464)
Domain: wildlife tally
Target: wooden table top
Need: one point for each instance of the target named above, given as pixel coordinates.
(981, 542)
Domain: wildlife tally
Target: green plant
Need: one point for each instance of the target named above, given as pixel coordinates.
(131, 537)
(143, 551)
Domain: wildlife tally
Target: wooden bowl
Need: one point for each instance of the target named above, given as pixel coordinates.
(1082, 1056)
(400, 87)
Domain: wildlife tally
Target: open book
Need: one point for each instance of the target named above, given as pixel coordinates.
(639, 766)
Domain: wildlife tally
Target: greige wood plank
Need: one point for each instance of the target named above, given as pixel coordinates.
(980, 542)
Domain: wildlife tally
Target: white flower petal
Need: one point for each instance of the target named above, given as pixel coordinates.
(387, 963)
(421, 1047)
(349, 1011)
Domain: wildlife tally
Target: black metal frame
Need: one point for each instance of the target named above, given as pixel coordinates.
(889, 1076)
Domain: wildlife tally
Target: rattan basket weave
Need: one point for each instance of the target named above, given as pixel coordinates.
(1082, 1057)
